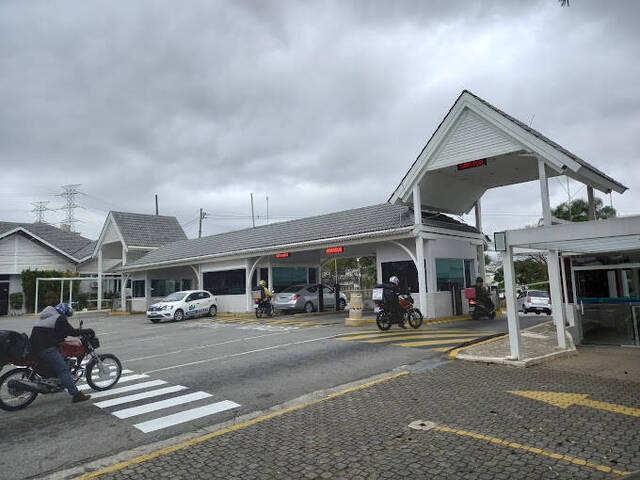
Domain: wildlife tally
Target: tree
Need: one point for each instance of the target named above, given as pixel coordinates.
(579, 210)
(532, 269)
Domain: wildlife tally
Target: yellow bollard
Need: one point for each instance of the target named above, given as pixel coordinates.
(355, 312)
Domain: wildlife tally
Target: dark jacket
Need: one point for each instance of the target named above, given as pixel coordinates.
(50, 329)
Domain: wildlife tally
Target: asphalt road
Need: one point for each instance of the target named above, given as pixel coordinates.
(210, 371)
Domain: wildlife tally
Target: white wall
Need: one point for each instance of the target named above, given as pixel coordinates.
(389, 252)
(18, 253)
(442, 304)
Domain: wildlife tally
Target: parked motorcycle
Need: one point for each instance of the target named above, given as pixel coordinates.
(20, 386)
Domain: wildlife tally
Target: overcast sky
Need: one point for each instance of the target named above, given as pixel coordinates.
(322, 106)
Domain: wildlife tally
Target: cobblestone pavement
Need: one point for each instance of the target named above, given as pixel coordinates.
(365, 434)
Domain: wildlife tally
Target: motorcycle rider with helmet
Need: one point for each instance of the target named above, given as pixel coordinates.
(482, 296)
(391, 302)
(51, 328)
(266, 295)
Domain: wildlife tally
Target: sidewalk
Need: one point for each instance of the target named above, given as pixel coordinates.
(484, 427)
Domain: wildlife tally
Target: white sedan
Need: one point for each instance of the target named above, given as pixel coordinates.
(181, 305)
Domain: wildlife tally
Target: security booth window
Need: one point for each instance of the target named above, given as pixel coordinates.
(449, 272)
(469, 281)
(264, 275)
(405, 271)
(162, 287)
(138, 289)
(313, 278)
(226, 282)
(285, 276)
(186, 284)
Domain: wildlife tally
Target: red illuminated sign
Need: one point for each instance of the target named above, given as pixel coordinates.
(334, 250)
(282, 255)
(472, 164)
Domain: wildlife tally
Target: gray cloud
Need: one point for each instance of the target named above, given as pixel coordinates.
(322, 106)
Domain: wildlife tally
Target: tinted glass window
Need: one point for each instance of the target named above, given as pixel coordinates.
(449, 273)
(537, 293)
(204, 295)
(138, 289)
(226, 282)
(312, 289)
(406, 273)
(192, 297)
(174, 297)
(293, 289)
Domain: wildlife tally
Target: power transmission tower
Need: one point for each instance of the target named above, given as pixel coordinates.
(69, 194)
(39, 209)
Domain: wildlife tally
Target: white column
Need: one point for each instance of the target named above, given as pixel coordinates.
(570, 318)
(200, 279)
(432, 283)
(70, 292)
(35, 305)
(513, 320)
(270, 275)
(592, 203)
(635, 275)
(248, 275)
(544, 192)
(147, 289)
(556, 296)
(624, 283)
(61, 290)
(99, 305)
(481, 266)
(420, 264)
(123, 282)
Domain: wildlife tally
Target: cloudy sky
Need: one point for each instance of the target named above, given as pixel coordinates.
(322, 106)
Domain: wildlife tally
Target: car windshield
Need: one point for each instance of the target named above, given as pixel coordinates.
(293, 288)
(174, 297)
(536, 293)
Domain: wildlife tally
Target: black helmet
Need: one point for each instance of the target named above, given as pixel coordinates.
(479, 280)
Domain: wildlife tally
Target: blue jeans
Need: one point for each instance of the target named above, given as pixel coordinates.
(53, 358)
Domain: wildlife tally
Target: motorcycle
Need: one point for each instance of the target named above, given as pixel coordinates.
(20, 386)
(263, 307)
(480, 310)
(385, 317)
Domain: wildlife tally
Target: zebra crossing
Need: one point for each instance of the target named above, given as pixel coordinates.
(439, 340)
(274, 321)
(144, 398)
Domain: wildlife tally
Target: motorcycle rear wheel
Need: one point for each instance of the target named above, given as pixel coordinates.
(10, 399)
(415, 318)
(383, 321)
(103, 380)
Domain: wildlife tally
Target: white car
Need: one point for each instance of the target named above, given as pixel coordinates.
(537, 301)
(181, 305)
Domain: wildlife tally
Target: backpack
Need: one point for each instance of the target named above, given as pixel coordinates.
(258, 292)
(14, 346)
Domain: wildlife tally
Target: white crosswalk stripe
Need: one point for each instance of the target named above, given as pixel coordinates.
(152, 407)
(144, 390)
(139, 396)
(186, 416)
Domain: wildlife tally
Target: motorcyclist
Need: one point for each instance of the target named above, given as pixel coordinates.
(482, 295)
(392, 301)
(266, 294)
(49, 330)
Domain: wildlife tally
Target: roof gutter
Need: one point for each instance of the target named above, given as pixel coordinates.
(264, 250)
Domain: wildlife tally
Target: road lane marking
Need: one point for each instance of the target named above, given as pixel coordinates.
(434, 330)
(162, 404)
(528, 448)
(417, 337)
(128, 378)
(139, 396)
(128, 388)
(200, 347)
(239, 354)
(452, 341)
(185, 416)
(565, 400)
(194, 441)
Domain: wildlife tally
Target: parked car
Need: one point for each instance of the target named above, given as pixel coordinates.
(537, 301)
(305, 297)
(181, 305)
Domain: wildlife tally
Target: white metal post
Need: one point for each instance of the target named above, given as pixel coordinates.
(513, 320)
(99, 305)
(35, 307)
(420, 265)
(570, 318)
(556, 296)
(481, 266)
(61, 290)
(123, 282)
(147, 290)
(270, 276)
(70, 292)
(544, 192)
(432, 283)
(592, 203)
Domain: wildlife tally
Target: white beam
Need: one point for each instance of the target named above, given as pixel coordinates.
(544, 192)
(422, 281)
(123, 282)
(480, 248)
(553, 268)
(592, 203)
(513, 320)
(99, 305)
(417, 205)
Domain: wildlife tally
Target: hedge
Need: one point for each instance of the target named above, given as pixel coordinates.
(48, 292)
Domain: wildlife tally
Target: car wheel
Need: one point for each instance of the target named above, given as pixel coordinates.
(213, 310)
(154, 320)
(548, 312)
(178, 316)
(342, 304)
(308, 307)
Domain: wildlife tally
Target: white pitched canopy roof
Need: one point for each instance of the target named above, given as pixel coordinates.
(474, 130)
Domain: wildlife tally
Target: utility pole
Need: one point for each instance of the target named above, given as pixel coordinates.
(69, 194)
(39, 209)
(202, 215)
(253, 219)
(156, 204)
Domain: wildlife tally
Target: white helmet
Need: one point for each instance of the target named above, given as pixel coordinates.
(394, 280)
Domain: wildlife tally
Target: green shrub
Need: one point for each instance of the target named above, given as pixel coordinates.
(82, 299)
(50, 298)
(29, 287)
(15, 300)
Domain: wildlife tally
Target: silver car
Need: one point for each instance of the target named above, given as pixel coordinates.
(305, 297)
(537, 301)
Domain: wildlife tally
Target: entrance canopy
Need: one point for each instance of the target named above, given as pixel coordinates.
(477, 147)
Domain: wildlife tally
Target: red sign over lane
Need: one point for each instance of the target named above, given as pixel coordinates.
(334, 250)
(282, 255)
(472, 164)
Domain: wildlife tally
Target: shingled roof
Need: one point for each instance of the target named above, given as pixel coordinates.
(375, 218)
(71, 244)
(141, 230)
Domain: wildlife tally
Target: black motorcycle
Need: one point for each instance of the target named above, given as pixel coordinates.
(481, 310)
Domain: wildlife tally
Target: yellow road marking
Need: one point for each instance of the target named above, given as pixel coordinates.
(233, 428)
(432, 342)
(441, 349)
(528, 448)
(454, 353)
(442, 330)
(432, 333)
(565, 400)
(418, 337)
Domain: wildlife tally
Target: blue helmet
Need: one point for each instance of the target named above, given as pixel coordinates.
(64, 309)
